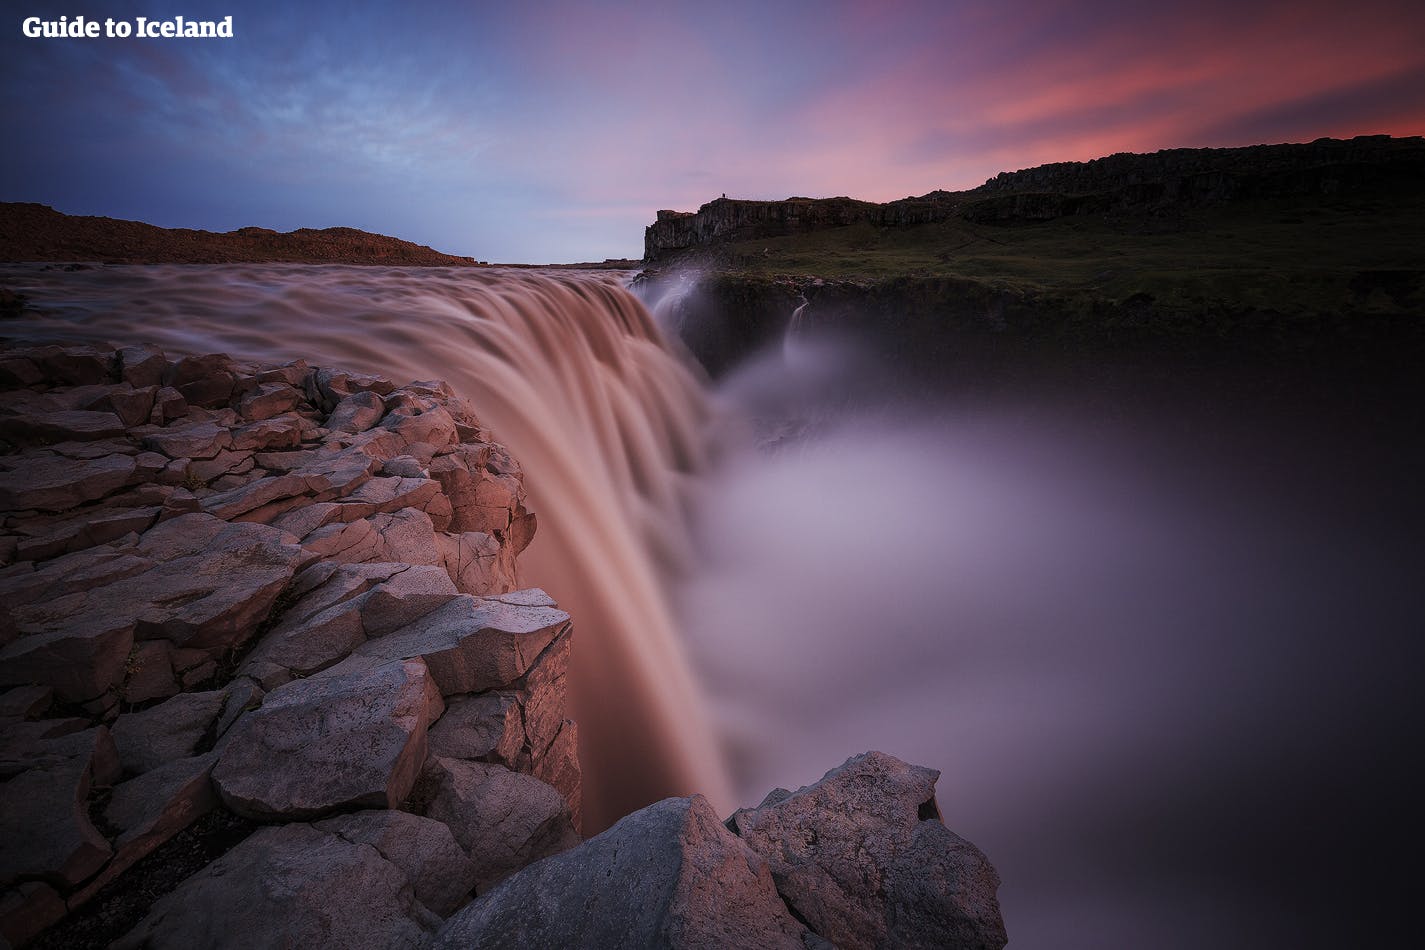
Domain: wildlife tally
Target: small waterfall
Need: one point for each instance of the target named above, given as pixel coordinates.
(791, 352)
(570, 372)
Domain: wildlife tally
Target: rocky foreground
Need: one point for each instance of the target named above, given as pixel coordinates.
(270, 679)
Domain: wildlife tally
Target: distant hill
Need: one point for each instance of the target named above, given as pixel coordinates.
(36, 232)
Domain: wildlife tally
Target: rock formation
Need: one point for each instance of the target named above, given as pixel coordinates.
(257, 590)
(1172, 177)
(269, 678)
(858, 860)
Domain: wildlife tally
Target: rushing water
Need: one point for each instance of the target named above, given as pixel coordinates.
(570, 373)
(1164, 652)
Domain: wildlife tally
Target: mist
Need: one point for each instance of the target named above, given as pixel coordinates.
(1151, 635)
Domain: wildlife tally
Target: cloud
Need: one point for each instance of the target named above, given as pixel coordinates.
(450, 114)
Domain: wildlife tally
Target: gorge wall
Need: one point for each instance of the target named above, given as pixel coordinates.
(1172, 177)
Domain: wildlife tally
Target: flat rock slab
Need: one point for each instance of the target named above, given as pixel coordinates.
(667, 876)
(171, 730)
(212, 585)
(338, 740)
(473, 644)
(864, 859)
(78, 658)
(291, 886)
(44, 821)
(55, 483)
(355, 602)
(71, 425)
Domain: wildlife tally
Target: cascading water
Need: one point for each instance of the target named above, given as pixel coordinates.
(1165, 650)
(570, 373)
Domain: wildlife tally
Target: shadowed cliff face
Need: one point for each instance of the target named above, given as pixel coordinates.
(1169, 179)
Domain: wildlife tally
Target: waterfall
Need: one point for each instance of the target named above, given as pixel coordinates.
(570, 372)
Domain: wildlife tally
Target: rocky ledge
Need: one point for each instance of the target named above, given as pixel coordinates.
(269, 678)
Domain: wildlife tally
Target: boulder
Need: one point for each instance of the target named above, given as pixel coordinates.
(141, 365)
(441, 874)
(357, 413)
(504, 820)
(174, 729)
(667, 876)
(196, 440)
(168, 404)
(44, 818)
(558, 766)
(487, 727)
(267, 400)
(478, 563)
(132, 406)
(338, 740)
(280, 432)
(356, 602)
(330, 386)
(229, 504)
(206, 380)
(78, 365)
(863, 858)
(290, 886)
(16, 371)
(387, 494)
(149, 673)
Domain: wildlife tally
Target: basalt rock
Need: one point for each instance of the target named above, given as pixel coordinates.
(669, 875)
(863, 858)
(338, 740)
(353, 882)
(860, 859)
(244, 572)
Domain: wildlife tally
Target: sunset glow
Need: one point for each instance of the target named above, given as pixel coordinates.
(555, 131)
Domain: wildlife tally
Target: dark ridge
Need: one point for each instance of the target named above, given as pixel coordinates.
(36, 232)
(1140, 183)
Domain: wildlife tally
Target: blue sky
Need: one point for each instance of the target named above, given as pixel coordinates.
(554, 131)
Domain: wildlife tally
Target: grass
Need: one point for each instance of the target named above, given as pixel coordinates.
(1366, 255)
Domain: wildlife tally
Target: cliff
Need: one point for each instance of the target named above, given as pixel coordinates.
(268, 677)
(1173, 178)
(35, 232)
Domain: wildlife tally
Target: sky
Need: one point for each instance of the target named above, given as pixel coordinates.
(552, 132)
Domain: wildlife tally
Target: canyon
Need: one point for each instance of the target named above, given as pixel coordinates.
(1065, 487)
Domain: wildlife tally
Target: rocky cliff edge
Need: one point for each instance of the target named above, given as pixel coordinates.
(269, 678)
